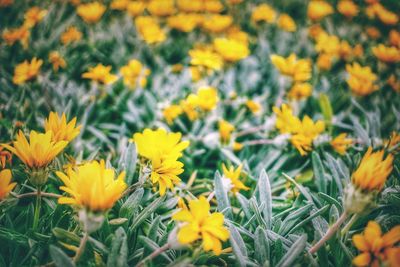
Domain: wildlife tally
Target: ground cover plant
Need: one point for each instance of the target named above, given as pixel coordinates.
(199, 133)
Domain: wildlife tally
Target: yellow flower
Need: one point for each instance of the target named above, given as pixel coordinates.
(324, 61)
(92, 186)
(302, 143)
(149, 30)
(231, 50)
(361, 79)
(340, 143)
(5, 156)
(253, 106)
(386, 16)
(318, 10)
(236, 146)
(207, 98)
(171, 113)
(217, 23)
(300, 91)
(237, 34)
(39, 151)
(394, 83)
(72, 34)
(387, 54)
(206, 58)
(225, 130)
(57, 60)
(18, 34)
(101, 74)
(310, 128)
(345, 50)
(233, 175)
(263, 12)
(328, 44)
(298, 69)
(190, 5)
(5, 186)
(155, 144)
(165, 171)
(33, 16)
(373, 32)
(392, 143)
(189, 107)
(26, 71)
(347, 8)
(373, 170)
(134, 73)
(377, 248)
(119, 4)
(184, 22)
(91, 12)
(315, 30)
(394, 38)
(198, 223)
(286, 23)
(135, 8)
(62, 131)
(286, 122)
(213, 6)
(161, 8)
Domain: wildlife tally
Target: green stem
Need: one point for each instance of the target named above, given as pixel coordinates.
(38, 205)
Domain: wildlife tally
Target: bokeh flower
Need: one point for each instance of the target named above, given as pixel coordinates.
(100, 74)
(91, 12)
(27, 71)
(61, 130)
(5, 183)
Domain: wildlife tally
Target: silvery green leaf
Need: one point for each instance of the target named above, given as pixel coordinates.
(222, 195)
(238, 246)
(264, 188)
(293, 253)
(60, 258)
(119, 250)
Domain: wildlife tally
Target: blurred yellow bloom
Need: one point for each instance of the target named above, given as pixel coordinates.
(119, 4)
(253, 106)
(233, 176)
(198, 223)
(92, 186)
(394, 83)
(373, 32)
(345, 50)
(189, 107)
(21, 34)
(72, 34)
(100, 74)
(161, 7)
(39, 151)
(377, 248)
(310, 128)
(217, 23)
(340, 143)
(155, 144)
(5, 156)
(387, 54)
(171, 112)
(328, 44)
(206, 58)
(225, 130)
(57, 60)
(384, 15)
(302, 143)
(300, 91)
(237, 34)
(236, 146)
(231, 50)
(207, 98)
(347, 8)
(195, 72)
(373, 171)
(286, 23)
(319, 9)
(149, 30)
(393, 142)
(184, 22)
(26, 71)
(263, 12)
(134, 74)
(164, 173)
(298, 69)
(91, 12)
(324, 61)
(213, 6)
(62, 131)
(33, 16)
(361, 79)
(190, 5)
(394, 38)
(5, 186)
(135, 8)
(315, 30)
(286, 122)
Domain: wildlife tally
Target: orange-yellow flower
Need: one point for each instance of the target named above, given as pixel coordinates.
(318, 10)
(91, 12)
(373, 171)
(161, 8)
(340, 143)
(300, 91)
(5, 186)
(231, 50)
(347, 8)
(92, 186)
(286, 23)
(184, 22)
(57, 60)
(233, 175)
(387, 54)
(206, 58)
(286, 122)
(72, 34)
(361, 79)
(394, 38)
(298, 69)
(33, 16)
(225, 130)
(26, 71)
(217, 23)
(101, 74)
(171, 112)
(62, 131)
(263, 12)
(198, 223)
(18, 34)
(134, 74)
(39, 151)
(377, 248)
(149, 30)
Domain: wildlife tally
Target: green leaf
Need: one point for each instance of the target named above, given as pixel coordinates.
(146, 212)
(319, 172)
(238, 245)
(60, 258)
(293, 253)
(119, 250)
(152, 246)
(264, 188)
(326, 108)
(261, 246)
(15, 237)
(128, 162)
(131, 204)
(222, 196)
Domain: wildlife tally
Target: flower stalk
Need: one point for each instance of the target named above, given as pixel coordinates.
(82, 246)
(154, 254)
(38, 205)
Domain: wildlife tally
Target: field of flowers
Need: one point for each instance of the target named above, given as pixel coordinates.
(199, 133)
